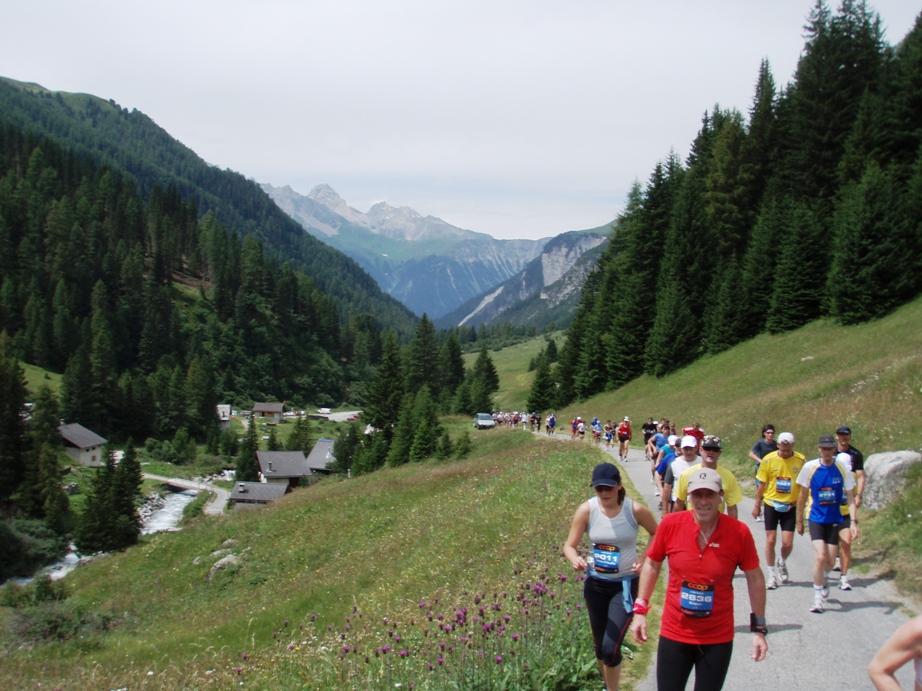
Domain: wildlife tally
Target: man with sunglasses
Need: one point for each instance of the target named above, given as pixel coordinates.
(711, 449)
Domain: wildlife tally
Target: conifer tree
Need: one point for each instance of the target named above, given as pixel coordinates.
(95, 527)
(12, 428)
(385, 392)
(273, 443)
(301, 437)
(423, 359)
(126, 493)
(876, 257)
(427, 427)
(800, 276)
(398, 452)
(484, 382)
(543, 389)
(247, 464)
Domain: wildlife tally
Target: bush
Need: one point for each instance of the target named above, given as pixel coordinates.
(57, 621)
(28, 544)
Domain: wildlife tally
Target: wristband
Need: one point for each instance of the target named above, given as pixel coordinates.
(758, 625)
(641, 606)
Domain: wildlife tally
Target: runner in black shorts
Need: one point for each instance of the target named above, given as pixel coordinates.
(777, 494)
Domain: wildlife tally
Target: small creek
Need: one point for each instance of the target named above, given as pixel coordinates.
(164, 518)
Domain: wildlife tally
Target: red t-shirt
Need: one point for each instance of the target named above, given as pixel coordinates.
(696, 433)
(699, 595)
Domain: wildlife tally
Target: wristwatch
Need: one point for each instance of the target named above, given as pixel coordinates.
(758, 625)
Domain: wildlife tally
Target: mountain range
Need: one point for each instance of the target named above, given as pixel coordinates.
(436, 268)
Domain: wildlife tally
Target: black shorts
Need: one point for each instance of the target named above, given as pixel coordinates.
(786, 519)
(846, 523)
(827, 532)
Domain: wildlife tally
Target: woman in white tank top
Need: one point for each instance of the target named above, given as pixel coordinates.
(611, 521)
(904, 645)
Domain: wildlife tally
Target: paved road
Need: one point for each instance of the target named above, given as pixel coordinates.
(214, 507)
(807, 651)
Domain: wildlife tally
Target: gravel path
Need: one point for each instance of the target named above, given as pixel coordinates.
(807, 651)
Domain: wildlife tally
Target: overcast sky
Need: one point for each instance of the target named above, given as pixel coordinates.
(521, 119)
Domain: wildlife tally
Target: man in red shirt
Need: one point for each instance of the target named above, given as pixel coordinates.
(695, 431)
(704, 548)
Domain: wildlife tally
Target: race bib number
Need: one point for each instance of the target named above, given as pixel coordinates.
(697, 600)
(607, 558)
(826, 496)
(783, 485)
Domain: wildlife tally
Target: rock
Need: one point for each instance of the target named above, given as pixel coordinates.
(230, 542)
(229, 562)
(885, 477)
(219, 553)
(196, 561)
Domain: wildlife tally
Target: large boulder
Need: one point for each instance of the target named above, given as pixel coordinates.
(229, 563)
(885, 477)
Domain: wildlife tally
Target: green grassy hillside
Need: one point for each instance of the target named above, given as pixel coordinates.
(344, 583)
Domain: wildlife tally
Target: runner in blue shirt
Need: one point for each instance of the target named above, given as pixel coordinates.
(826, 482)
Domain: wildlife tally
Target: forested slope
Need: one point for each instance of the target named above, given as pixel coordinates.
(812, 207)
(134, 144)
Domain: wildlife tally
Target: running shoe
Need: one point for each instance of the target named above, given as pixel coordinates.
(843, 583)
(759, 518)
(656, 492)
(782, 570)
(825, 586)
(838, 566)
(818, 604)
(772, 582)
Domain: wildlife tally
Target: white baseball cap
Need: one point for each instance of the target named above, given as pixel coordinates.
(785, 438)
(688, 441)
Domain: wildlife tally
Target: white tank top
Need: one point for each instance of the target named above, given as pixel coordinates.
(613, 542)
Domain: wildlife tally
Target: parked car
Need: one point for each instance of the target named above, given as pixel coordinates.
(484, 421)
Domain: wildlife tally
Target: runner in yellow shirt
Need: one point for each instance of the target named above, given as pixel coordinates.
(711, 449)
(778, 492)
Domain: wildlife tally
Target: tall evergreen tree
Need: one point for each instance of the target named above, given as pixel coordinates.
(247, 464)
(12, 429)
(422, 359)
(542, 393)
(301, 437)
(876, 258)
(126, 494)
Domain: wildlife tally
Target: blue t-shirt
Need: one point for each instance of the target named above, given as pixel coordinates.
(663, 464)
(660, 439)
(827, 488)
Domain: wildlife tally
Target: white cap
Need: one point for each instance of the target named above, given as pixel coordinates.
(688, 441)
(785, 438)
(845, 459)
(672, 440)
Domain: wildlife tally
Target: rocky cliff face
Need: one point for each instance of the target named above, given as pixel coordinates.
(428, 264)
(546, 290)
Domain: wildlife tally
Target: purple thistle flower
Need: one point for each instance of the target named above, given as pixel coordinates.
(422, 604)
(404, 653)
(329, 627)
(246, 657)
(515, 636)
(313, 617)
(291, 646)
(346, 648)
(499, 659)
(441, 660)
(286, 623)
(385, 649)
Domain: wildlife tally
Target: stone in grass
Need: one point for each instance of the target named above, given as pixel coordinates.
(886, 477)
(229, 563)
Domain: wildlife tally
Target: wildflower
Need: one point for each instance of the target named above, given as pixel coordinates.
(404, 653)
(286, 623)
(515, 637)
(507, 618)
(245, 656)
(346, 648)
(313, 617)
(441, 660)
(385, 649)
(498, 659)
(291, 646)
(431, 667)
(238, 670)
(422, 604)
(569, 612)
(329, 627)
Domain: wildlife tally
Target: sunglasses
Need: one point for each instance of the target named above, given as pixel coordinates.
(603, 488)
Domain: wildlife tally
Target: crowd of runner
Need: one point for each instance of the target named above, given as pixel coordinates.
(699, 533)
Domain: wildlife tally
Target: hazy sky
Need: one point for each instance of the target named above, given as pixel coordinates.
(515, 118)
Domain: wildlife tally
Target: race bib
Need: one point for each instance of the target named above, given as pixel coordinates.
(783, 485)
(607, 558)
(826, 496)
(696, 600)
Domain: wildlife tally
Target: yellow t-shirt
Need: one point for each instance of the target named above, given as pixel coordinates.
(779, 475)
(733, 495)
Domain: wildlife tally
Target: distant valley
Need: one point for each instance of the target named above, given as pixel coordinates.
(430, 265)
